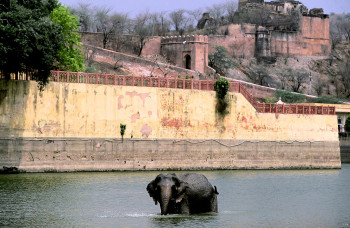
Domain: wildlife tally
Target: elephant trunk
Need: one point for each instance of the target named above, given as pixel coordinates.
(165, 200)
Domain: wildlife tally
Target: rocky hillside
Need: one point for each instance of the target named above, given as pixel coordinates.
(330, 75)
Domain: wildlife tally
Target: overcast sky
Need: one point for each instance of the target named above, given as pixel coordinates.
(135, 6)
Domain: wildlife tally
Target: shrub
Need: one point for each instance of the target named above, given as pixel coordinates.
(326, 100)
(347, 124)
(289, 97)
(221, 87)
(122, 130)
(270, 100)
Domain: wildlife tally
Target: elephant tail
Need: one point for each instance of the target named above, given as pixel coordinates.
(215, 190)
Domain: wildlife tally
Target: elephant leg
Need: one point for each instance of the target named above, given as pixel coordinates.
(214, 204)
(184, 207)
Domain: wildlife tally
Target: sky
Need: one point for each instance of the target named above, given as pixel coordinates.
(132, 7)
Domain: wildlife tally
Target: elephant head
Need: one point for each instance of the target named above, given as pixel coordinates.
(168, 190)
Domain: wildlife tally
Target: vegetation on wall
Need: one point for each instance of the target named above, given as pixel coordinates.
(122, 130)
(221, 88)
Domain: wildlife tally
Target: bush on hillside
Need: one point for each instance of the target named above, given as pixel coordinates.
(347, 124)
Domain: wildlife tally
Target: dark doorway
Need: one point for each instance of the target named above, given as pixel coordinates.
(188, 62)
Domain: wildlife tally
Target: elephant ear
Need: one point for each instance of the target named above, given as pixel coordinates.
(181, 188)
(151, 188)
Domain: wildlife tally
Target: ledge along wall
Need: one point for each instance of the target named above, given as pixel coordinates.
(75, 127)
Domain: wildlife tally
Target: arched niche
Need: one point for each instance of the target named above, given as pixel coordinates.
(187, 61)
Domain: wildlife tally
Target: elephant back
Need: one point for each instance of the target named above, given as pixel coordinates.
(199, 186)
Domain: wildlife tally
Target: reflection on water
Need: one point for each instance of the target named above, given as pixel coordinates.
(185, 220)
(292, 198)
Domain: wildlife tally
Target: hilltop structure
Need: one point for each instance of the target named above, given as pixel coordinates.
(262, 29)
(285, 28)
(190, 52)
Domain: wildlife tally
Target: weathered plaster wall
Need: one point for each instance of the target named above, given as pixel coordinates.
(80, 110)
(31, 120)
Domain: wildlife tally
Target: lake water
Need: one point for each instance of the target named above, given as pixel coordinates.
(301, 198)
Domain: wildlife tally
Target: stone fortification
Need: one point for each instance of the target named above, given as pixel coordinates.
(263, 29)
(76, 127)
(239, 41)
(312, 40)
(290, 29)
(154, 68)
(344, 141)
(190, 52)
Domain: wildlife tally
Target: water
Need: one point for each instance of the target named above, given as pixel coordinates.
(312, 198)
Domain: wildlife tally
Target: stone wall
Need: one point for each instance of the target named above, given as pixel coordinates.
(91, 154)
(83, 113)
(312, 40)
(344, 141)
(258, 91)
(112, 57)
(178, 48)
(128, 44)
(239, 41)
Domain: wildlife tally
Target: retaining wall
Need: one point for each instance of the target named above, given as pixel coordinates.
(344, 142)
(81, 121)
(78, 154)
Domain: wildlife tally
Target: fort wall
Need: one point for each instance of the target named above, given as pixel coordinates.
(76, 127)
(190, 52)
(239, 41)
(112, 57)
(312, 40)
(123, 43)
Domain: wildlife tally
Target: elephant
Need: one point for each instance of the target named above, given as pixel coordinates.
(188, 193)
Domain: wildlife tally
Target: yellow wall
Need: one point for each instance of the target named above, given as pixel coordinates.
(80, 110)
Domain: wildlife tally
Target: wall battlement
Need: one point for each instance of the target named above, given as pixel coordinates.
(187, 39)
(190, 52)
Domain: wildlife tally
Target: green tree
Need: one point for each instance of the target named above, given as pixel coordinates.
(70, 55)
(220, 61)
(29, 40)
(347, 124)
